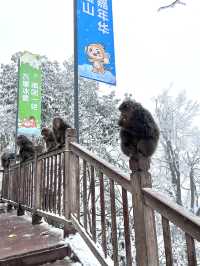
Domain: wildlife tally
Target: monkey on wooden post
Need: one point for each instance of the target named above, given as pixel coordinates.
(59, 129)
(139, 132)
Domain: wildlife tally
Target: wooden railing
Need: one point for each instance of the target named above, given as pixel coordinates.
(113, 212)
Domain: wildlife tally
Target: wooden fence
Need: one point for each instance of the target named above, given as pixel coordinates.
(112, 211)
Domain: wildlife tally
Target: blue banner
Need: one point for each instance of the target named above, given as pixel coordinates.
(95, 41)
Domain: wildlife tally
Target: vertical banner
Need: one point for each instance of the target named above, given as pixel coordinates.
(29, 96)
(95, 41)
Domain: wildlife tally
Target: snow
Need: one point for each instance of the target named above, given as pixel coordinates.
(83, 252)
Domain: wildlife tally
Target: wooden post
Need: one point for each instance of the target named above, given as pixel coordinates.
(36, 219)
(70, 200)
(144, 219)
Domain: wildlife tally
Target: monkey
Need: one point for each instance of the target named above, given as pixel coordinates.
(38, 149)
(139, 132)
(49, 138)
(26, 150)
(6, 159)
(59, 129)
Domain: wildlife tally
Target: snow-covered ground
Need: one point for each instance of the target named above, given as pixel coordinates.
(78, 246)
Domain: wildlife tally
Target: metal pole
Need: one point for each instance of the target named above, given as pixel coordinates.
(17, 105)
(76, 94)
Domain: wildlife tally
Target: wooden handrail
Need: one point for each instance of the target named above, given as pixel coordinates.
(72, 182)
(175, 213)
(108, 169)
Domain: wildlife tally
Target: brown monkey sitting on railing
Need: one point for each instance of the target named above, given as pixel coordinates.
(139, 132)
(26, 148)
(59, 129)
(49, 138)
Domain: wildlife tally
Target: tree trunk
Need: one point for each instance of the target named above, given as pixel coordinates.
(192, 189)
(173, 161)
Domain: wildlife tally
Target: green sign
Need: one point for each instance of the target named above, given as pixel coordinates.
(29, 95)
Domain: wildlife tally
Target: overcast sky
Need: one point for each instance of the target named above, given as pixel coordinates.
(154, 50)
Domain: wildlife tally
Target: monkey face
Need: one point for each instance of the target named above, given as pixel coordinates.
(126, 109)
(96, 52)
(45, 132)
(122, 120)
(22, 140)
(57, 122)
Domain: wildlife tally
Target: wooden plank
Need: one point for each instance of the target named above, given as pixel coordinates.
(175, 213)
(85, 205)
(69, 195)
(103, 214)
(26, 237)
(50, 153)
(144, 222)
(126, 228)
(114, 224)
(89, 242)
(191, 252)
(167, 242)
(37, 257)
(108, 169)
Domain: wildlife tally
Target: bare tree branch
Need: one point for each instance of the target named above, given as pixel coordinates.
(172, 5)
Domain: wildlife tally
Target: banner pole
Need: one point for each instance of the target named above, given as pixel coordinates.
(76, 90)
(18, 74)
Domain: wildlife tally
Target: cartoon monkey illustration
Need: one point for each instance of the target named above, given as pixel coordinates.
(97, 56)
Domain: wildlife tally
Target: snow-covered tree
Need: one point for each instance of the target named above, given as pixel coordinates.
(175, 117)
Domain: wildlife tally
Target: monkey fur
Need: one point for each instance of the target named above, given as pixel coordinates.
(139, 132)
(6, 159)
(49, 138)
(59, 129)
(26, 150)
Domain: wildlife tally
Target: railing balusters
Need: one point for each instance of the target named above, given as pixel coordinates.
(93, 207)
(103, 215)
(167, 241)
(55, 184)
(32, 184)
(28, 186)
(44, 184)
(59, 185)
(126, 228)
(191, 252)
(47, 186)
(77, 176)
(113, 221)
(51, 184)
(85, 205)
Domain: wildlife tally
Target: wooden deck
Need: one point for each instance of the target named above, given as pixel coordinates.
(21, 243)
